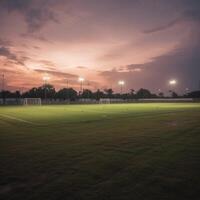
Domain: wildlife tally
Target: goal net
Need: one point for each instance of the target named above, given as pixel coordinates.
(104, 101)
(32, 101)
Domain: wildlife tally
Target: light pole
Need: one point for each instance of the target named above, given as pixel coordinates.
(81, 80)
(45, 79)
(172, 83)
(160, 93)
(121, 84)
(67, 84)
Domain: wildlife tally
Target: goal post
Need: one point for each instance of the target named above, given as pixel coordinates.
(32, 101)
(104, 101)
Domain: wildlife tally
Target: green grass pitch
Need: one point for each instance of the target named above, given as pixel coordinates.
(87, 152)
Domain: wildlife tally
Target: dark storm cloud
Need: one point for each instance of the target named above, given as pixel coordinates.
(37, 13)
(187, 16)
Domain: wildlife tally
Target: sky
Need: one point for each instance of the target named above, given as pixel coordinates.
(146, 43)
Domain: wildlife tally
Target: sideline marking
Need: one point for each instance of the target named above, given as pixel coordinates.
(17, 119)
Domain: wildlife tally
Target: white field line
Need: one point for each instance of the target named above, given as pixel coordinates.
(17, 119)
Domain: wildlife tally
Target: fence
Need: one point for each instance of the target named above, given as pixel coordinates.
(19, 101)
(11, 101)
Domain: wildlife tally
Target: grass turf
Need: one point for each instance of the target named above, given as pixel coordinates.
(119, 151)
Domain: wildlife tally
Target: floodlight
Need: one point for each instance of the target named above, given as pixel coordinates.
(121, 82)
(173, 82)
(81, 79)
(45, 77)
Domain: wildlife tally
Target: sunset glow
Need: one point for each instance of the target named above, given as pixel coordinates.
(144, 42)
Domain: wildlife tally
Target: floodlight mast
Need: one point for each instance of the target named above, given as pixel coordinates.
(45, 78)
(121, 84)
(172, 83)
(67, 84)
(81, 80)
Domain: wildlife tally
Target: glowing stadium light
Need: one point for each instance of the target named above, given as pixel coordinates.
(121, 83)
(173, 82)
(81, 80)
(46, 78)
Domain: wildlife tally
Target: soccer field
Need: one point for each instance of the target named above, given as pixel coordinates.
(114, 151)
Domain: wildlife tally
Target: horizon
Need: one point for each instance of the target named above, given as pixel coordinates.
(143, 43)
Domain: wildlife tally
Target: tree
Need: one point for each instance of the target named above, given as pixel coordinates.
(32, 93)
(87, 94)
(132, 93)
(46, 90)
(109, 92)
(143, 93)
(173, 94)
(98, 94)
(67, 93)
(161, 94)
(195, 94)
(49, 90)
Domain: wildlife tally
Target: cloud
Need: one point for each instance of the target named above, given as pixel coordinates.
(4, 42)
(163, 27)
(122, 70)
(81, 67)
(4, 51)
(134, 67)
(186, 16)
(37, 13)
(48, 64)
(13, 57)
(181, 63)
(34, 36)
(56, 73)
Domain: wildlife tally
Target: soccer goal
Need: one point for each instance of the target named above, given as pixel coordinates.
(104, 101)
(32, 101)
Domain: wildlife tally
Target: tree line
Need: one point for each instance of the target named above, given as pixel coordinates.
(48, 91)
